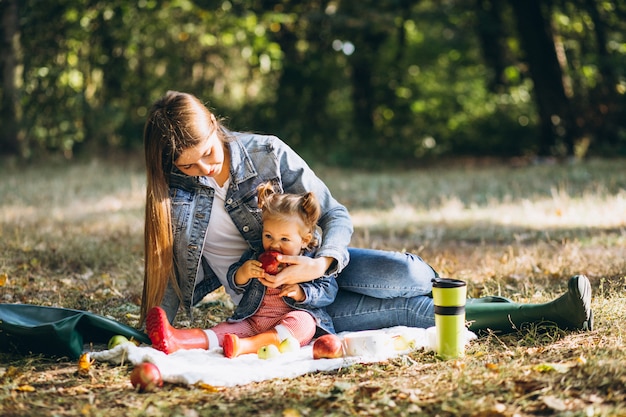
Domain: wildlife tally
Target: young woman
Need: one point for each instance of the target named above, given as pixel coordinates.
(265, 315)
(202, 213)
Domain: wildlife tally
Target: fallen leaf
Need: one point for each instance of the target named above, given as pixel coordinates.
(534, 351)
(554, 403)
(4, 278)
(596, 399)
(492, 366)
(498, 410)
(527, 386)
(209, 387)
(458, 364)
(25, 388)
(84, 364)
(10, 372)
(557, 367)
(291, 412)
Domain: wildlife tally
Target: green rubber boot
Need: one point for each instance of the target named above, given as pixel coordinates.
(571, 311)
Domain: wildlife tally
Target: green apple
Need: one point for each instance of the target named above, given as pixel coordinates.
(268, 352)
(118, 339)
(290, 344)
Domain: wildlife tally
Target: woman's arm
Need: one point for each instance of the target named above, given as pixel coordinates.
(335, 222)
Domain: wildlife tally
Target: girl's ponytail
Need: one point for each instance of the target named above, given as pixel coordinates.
(311, 209)
(265, 193)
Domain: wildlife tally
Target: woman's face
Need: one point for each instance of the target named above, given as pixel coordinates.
(205, 159)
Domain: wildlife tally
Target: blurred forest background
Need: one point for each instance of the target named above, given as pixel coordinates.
(350, 82)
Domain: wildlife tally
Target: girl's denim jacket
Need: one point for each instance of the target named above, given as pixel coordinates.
(318, 294)
(255, 159)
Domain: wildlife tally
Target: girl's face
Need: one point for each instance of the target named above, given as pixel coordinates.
(205, 159)
(285, 236)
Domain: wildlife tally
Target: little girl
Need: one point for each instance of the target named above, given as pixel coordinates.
(264, 315)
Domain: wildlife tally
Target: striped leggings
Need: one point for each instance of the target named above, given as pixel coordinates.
(272, 312)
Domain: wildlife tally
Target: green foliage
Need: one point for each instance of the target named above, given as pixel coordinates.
(367, 83)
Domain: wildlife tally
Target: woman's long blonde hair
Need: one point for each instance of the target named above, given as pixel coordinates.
(173, 125)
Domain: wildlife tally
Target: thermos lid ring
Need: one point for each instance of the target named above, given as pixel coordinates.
(448, 283)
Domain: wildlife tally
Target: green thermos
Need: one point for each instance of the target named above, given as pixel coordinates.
(449, 296)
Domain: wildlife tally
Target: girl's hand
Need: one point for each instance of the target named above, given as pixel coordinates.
(250, 269)
(293, 291)
(299, 269)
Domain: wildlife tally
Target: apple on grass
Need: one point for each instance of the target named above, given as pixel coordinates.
(290, 344)
(146, 377)
(328, 346)
(269, 263)
(118, 339)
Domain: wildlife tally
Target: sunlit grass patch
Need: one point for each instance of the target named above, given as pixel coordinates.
(71, 236)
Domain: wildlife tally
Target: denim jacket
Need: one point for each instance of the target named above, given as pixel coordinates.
(318, 294)
(255, 159)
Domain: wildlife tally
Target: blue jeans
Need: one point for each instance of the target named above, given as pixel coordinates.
(380, 289)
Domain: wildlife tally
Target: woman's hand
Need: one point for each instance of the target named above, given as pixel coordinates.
(299, 269)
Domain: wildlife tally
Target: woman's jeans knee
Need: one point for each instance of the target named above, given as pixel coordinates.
(386, 274)
(381, 289)
(355, 312)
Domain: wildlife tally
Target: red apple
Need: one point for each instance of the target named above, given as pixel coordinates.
(269, 263)
(146, 377)
(328, 346)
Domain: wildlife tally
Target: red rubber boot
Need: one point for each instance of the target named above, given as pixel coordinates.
(168, 339)
(234, 345)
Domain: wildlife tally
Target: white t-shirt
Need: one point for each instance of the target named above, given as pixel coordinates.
(223, 244)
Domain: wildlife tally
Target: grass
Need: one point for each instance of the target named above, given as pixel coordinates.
(71, 236)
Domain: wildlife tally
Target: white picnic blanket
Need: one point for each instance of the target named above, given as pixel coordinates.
(210, 367)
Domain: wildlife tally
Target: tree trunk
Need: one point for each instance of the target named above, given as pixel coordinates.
(362, 94)
(9, 62)
(558, 126)
(368, 41)
(491, 35)
(606, 107)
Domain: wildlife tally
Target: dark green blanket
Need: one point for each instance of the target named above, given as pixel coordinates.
(28, 329)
